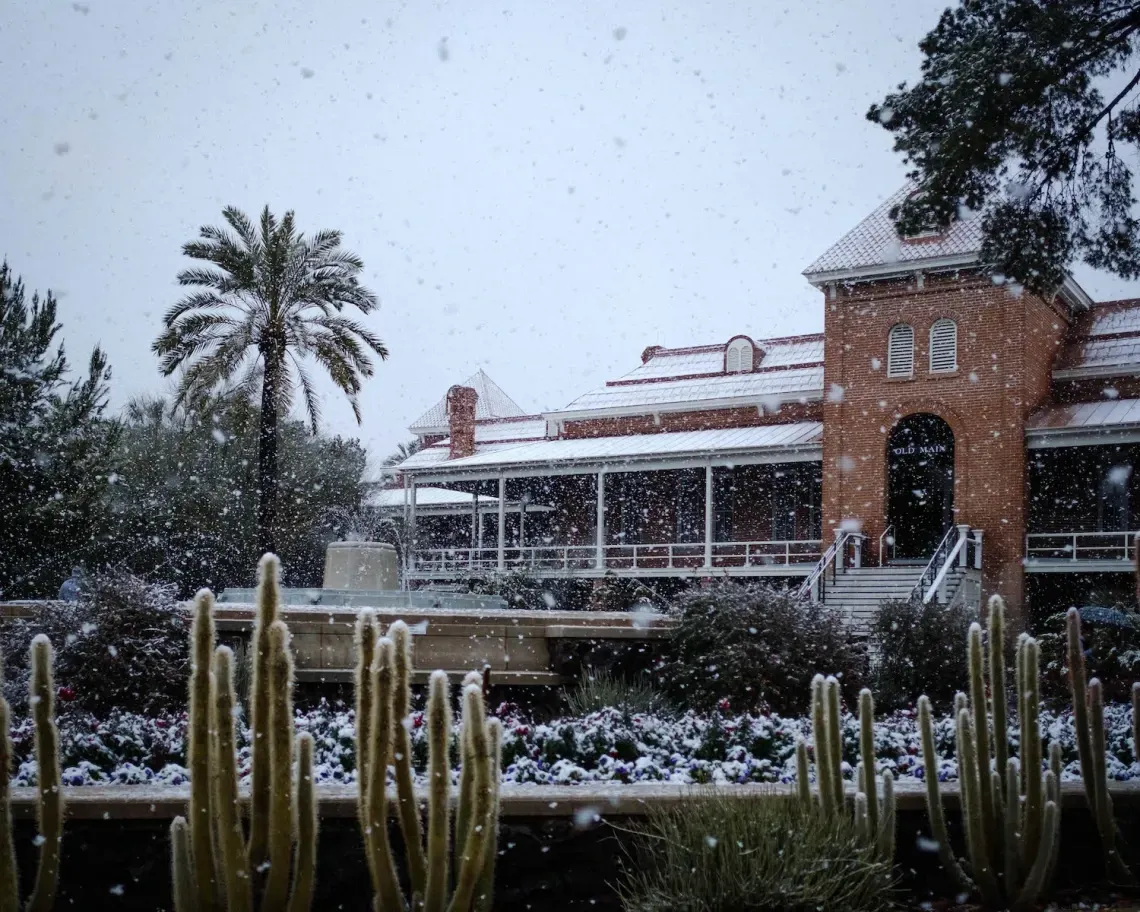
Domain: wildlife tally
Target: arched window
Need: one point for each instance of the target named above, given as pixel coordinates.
(943, 347)
(900, 351)
(738, 357)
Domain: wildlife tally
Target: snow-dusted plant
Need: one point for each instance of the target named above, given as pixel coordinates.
(122, 646)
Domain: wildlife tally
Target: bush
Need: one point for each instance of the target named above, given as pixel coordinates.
(919, 649)
(123, 645)
(728, 854)
(600, 689)
(756, 647)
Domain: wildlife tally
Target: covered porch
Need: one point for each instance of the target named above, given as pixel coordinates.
(741, 502)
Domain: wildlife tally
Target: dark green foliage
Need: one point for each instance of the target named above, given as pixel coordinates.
(918, 650)
(55, 448)
(756, 647)
(185, 498)
(1009, 117)
(728, 854)
(266, 301)
(1112, 654)
(122, 646)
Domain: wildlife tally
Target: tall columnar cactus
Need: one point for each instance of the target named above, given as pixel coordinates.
(384, 741)
(874, 816)
(268, 602)
(1088, 720)
(49, 807)
(1010, 807)
(210, 859)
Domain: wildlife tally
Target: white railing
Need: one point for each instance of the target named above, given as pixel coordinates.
(1080, 546)
(887, 540)
(834, 557)
(570, 558)
(953, 551)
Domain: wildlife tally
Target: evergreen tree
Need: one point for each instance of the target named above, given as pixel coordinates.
(55, 448)
(185, 501)
(1012, 116)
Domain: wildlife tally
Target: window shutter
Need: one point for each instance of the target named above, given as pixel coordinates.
(900, 351)
(732, 362)
(943, 347)
(745, 357)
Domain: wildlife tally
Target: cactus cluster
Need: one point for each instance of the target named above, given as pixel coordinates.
(441, 878)
(1010, 808)
(1088, 720)
(49, 806)
(874, 803)
(213, 866)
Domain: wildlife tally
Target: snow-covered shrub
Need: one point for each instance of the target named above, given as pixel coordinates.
(600, 688)
(122, 646)
(1112, 654)
(919, 649)
(756, 648)
(722, 853)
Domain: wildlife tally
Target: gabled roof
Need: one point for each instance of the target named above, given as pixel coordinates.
(492, 403)
(873, 247)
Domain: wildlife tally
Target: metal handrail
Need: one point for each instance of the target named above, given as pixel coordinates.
(671, 555)
(825, 560)
(930, 571)
(1068, 545)
(888, 531)
(946, 565)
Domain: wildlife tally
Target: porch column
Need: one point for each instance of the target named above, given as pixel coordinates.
(708, 515)
(600, 532)
(502, 518)
(963, 534)
(412, 528)
(474, 526)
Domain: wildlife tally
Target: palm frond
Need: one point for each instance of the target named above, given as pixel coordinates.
(312, 404)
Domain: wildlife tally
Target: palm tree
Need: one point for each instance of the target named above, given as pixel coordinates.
(270, 300)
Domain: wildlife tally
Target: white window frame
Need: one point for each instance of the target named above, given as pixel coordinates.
(895, 341)
(739, 357)
(944, 346)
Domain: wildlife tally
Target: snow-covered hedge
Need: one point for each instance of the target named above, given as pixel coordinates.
(605, 746)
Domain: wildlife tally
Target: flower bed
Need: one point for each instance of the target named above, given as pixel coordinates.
(605, 746)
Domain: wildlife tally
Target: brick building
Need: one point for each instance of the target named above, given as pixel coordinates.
(947, 433)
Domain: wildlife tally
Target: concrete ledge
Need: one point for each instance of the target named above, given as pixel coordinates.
(498, 676)
(141, 802)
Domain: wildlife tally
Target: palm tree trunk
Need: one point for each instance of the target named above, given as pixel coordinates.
(267, 458)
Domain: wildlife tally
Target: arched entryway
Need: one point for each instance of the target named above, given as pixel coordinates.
(920, 484)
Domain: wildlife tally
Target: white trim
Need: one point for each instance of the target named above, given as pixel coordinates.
(1120, 369)
(1055, 438)
(901, 268)
(696, 405)
(1074, 294)
(808, 452)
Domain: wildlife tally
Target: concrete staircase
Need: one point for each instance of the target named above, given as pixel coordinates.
(857, 593)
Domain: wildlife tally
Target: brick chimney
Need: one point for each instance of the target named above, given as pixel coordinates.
(461, 420)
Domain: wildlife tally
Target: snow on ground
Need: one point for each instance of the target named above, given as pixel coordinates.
(605, 746)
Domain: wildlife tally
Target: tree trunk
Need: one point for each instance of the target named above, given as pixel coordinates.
(267, 457)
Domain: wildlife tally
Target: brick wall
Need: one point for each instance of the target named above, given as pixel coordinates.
(1006, 344)
(711, 419)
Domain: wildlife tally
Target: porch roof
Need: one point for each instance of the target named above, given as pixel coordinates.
(769, 441)
(1084, 424)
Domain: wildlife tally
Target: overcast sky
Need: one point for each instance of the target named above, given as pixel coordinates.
(537, 189)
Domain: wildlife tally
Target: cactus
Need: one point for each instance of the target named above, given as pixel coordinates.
(874, 817)
(49, 807)
(1010, 808)
(384, 741)
(1088, 720)
(210, 859)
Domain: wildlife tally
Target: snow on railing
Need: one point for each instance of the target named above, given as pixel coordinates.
(1080, 546)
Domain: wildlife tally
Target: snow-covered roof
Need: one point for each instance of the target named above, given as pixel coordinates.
(804, 435)
(1108, 417)
(1105, 342)
(492, 403)
(873, 247)
(427, 497)
(768, 388)
(667, 363)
